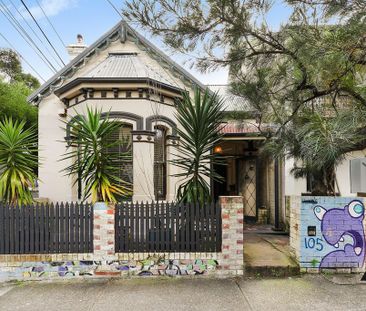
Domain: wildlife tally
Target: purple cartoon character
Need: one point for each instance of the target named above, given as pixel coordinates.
(336, 225)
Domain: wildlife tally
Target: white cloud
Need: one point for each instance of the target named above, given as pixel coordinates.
(52, 7)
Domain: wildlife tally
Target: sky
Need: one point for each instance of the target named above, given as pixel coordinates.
(91, 18)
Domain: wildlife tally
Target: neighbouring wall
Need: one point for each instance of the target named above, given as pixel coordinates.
(105, 262)
(297, 186)
(328, 232)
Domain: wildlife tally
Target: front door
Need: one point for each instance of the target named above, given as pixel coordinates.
(247, 181)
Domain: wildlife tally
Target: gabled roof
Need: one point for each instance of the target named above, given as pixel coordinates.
(120, 67)
(121, 31)
(129, 66)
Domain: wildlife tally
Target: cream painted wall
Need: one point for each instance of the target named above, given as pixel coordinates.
(54, 185)
(297, 186)
(343, 173)
(293, 186)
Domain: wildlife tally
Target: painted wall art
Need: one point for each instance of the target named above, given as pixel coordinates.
(332, 232)
(151, 266)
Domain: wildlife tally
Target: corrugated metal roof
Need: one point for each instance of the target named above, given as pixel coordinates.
(129, 66)
(239, 128)
(231, 102)
(123, 30)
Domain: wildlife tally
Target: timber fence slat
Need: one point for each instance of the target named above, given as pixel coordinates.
(46, 228)
(167, 227)
(41, 228)
(51, 228)
(139, 227)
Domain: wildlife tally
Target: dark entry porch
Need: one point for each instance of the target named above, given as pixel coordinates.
(248, 174)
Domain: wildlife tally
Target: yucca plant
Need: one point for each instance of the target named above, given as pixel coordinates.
(200, 122)
(95, 161)
(18, 161)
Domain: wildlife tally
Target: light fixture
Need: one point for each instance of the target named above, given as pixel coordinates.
(217, 149)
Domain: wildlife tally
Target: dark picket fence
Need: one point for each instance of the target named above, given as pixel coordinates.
(167, 227)
(46, 228)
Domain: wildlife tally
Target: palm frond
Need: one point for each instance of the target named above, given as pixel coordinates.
(18, 161)
(93, 160)
(200, 122)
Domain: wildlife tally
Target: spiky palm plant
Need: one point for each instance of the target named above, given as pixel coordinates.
(200, 121)
(95, 161)
(18, 161)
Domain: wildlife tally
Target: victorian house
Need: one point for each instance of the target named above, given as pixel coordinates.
(133, 82)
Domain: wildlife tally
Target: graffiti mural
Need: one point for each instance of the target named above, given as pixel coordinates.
(154, 265)
(333, 234)
(158, 265)
(58, 269)
(336, 225)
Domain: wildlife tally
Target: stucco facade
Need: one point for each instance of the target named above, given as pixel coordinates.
(129, 80)
(143, 112)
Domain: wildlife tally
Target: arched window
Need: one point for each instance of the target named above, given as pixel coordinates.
(124, 165)
(160, 163)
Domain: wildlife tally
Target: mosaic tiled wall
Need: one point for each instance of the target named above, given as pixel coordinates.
(154, 265)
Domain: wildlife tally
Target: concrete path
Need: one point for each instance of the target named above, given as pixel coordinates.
(174, 294)
(267, 252)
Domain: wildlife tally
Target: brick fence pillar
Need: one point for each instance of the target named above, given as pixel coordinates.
(103, 232)
(232, 256)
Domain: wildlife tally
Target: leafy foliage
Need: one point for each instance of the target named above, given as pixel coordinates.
(94, 160)
(11, 67)
(300, 77)
(13, 103)
(18, 161)
(9, 63)
(200, 120)
(319, 143)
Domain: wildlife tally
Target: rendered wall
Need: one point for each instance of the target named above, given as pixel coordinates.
(297, 186)
(343, 173)
(328, 233)
(53, 183)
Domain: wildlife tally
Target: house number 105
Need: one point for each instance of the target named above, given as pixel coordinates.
(314, 243)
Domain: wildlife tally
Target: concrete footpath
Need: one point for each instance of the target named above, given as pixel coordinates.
(305, 293)
(267, 253)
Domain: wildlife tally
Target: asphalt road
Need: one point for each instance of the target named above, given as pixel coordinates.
(174, 294)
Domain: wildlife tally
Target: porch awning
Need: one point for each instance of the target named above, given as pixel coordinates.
(239, 128)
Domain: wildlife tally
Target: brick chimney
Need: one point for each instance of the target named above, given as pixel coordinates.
(75, 49)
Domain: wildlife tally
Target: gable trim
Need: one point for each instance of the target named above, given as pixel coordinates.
(121, 32)
(147, 81)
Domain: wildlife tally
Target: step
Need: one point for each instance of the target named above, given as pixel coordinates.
(106, 271)
(271, 271)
